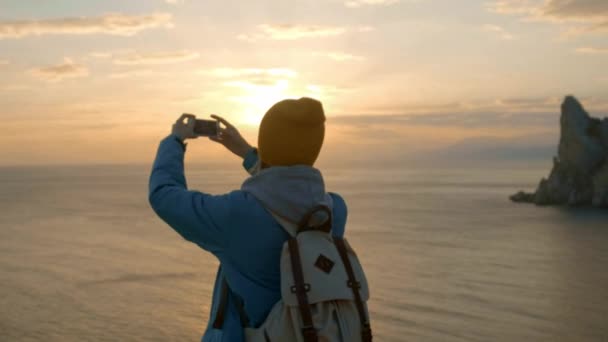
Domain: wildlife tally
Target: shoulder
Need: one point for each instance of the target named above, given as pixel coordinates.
(244, 203)
(240, 196)
(339, 202)
(226, 205)
(340, 210)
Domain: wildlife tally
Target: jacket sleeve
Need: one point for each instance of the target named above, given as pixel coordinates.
(251, 162)
(198, 217)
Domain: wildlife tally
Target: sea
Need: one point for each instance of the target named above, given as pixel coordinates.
(448, 257)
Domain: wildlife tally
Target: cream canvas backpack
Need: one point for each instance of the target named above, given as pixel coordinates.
(323, 289)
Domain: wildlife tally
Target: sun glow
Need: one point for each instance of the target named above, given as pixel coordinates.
(257, 99)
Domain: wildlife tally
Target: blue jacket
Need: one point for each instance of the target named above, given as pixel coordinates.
(236, 228)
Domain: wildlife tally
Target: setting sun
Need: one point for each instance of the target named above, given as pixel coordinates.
(253, 100)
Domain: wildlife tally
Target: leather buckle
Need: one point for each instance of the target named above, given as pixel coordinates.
(294, 288)
(310, 334)
(353, 284)
(366, 333)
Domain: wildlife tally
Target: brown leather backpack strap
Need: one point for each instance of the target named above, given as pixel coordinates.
(220, 314)
(240, 307)
(366, 330)
(300, 289)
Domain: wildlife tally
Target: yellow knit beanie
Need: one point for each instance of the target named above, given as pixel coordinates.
(292, 133)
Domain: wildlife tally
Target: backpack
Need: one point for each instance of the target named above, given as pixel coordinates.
(323, 290)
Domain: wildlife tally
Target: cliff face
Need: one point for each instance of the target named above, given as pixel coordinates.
(580, 170)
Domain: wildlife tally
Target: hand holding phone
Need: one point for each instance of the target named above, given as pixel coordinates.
(184, 126)
(230, 137)
(189, 127)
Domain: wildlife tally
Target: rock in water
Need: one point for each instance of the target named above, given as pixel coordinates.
(600, 187)
(522, 197)
(579, 148)
(580, 170)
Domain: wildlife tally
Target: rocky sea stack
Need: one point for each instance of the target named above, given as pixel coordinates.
(580, 170)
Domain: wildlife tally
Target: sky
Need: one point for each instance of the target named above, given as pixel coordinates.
(94, 82)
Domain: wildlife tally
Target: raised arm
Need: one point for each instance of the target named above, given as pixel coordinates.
(233, 140)
(198, 217)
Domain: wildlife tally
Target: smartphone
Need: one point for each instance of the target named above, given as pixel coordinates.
(206, 128)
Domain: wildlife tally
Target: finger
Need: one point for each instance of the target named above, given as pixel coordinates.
(185, 115)
(222, 120)
(190, 120)
(222, 131)
(181, 119)
(216, 139)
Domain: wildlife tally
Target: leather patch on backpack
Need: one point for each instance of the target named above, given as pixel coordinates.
(324, 263)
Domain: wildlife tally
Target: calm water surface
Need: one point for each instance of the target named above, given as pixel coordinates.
(448, 257)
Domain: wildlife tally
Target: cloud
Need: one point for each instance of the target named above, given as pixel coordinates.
(56, 73)
(589, 16)
(100, 54)
(339, 56)
(601, 27)
(598, 28)
(251, 38)
(114, 24)
(575, 9)
(449, 119)
(537, 104)
(365, 29)
(592, 50)
(506, 112)
(250, 72)
(414, 108)
(170, 57)
(327, 90)
(4, 62)
(15, 87)
(360, 3)
(501, 32)
(513, 6)
(504, 105)
(252, 77)
(136, 74)
(110, 54)
(292, 32)
(257, 83)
